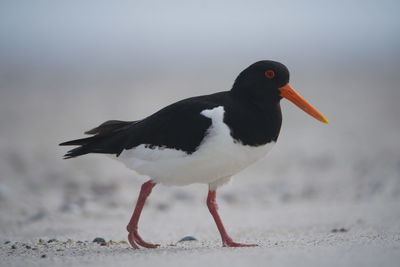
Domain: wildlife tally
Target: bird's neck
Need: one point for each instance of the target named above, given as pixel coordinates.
(265, 117)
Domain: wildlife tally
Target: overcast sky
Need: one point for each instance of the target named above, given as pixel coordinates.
(181, 34)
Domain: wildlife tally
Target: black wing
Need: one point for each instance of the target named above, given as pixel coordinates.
(178, 126)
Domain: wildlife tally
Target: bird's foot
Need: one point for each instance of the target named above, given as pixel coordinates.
(230, 243)
(135, 240)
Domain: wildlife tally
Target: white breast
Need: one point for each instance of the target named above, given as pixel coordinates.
(217, 157)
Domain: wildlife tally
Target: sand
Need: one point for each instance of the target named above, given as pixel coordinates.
(306, 234)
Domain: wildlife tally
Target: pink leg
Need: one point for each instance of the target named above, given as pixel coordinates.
(213, 208)
(133, 236)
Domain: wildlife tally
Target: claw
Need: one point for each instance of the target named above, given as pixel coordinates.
(135, 240)
(143, 243)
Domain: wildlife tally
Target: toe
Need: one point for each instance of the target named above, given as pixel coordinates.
(234, 244)
(131, 239)
(141, 242)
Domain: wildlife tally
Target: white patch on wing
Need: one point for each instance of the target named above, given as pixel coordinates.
(217, 157)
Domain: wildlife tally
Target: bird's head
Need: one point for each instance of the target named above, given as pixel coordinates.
(267, 81)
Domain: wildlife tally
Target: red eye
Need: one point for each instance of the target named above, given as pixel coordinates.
(269, 74)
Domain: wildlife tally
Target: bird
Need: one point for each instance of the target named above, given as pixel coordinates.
(203, 139)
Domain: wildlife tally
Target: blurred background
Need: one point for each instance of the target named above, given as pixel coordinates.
(67, 66)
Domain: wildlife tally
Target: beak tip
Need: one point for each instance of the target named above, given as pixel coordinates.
(325, 120)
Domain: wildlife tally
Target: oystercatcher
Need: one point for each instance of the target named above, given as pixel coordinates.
(204, 139)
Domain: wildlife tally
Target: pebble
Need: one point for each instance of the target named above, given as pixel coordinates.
(7, 242)
(28, 247)
(14, 246)
(187, 238)
(99, 240)
(340, 230)
(52, 240)
(43, 256)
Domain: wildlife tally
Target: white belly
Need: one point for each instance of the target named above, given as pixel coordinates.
(217, 157)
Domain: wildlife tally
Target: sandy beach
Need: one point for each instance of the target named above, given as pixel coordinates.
(306, 234)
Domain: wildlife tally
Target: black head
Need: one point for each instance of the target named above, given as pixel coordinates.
(261, 81)
(264, 83)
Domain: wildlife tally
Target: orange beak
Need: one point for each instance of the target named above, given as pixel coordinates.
(289, 93)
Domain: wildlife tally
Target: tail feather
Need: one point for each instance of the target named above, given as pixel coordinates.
(77, 142)
(85, 146)
(108, 127)
(79, 151)
(106, 138)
